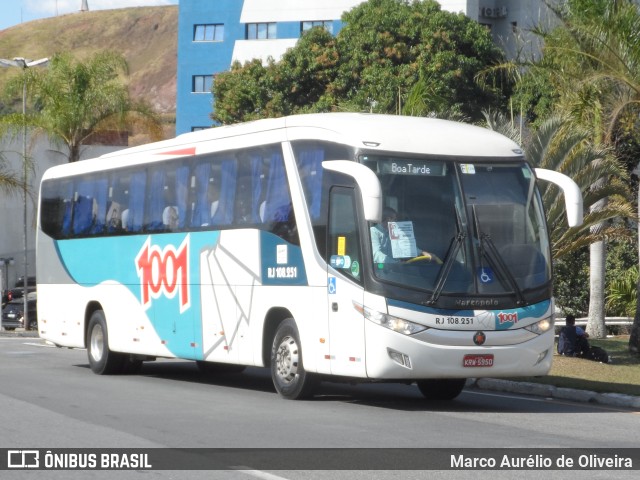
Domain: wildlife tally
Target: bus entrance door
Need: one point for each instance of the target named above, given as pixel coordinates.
(346, 324)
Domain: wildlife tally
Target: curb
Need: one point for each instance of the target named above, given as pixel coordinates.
(551, 391)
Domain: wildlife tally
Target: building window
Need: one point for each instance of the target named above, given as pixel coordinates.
(208, 33)
(326, 24)
(261, 31)
(202, 83)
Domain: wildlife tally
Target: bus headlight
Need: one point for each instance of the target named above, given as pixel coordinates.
(541, 327)
(396, 324)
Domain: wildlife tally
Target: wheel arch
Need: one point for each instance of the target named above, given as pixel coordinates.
(275, 316)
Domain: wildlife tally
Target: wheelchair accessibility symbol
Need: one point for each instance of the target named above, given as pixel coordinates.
(332, 285)
(485, 274)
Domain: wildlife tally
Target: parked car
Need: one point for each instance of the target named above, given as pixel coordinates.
(13, 313)
(18, 290)
(6, 296)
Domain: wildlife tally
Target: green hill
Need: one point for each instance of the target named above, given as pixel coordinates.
(146, 36)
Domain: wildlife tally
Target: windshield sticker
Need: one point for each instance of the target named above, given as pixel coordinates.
(340, 261)
(355, 269)
(485, 274)
(468, 168)
(403, 240)
(342, 245)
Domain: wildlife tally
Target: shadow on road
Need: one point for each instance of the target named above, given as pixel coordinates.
(393, 396)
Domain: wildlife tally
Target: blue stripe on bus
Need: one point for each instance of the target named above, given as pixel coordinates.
(118, 259)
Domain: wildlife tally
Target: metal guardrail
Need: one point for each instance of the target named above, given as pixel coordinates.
(607, 320)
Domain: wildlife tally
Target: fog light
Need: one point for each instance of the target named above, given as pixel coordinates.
(399, 358)
(542, 356)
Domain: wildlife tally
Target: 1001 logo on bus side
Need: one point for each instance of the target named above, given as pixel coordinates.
(164, 272)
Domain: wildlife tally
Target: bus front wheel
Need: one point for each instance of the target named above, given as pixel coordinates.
(101, 360)
(290, 378)
(441, 388)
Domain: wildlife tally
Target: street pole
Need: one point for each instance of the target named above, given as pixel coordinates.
(24, 195)
(23, 63)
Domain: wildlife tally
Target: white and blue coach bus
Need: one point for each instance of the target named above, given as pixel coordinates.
(253, 245)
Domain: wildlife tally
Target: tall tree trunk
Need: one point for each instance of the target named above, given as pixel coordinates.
(634, 338)
(596, 326)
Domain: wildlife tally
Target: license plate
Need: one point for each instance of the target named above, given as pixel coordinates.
(480, 360)
(11, 315)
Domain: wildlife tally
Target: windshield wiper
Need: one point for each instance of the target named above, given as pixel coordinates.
(452, 252)
(495, 259)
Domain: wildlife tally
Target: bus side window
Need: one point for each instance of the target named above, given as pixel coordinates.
(224, 214)
(249, 190)
(203, 196)
(278, 215)
(343, 238)
(137, 191)
(310, 167)
(155, 211)
(55, 212)
(89, 207)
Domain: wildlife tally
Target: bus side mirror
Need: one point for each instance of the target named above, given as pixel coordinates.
(572, 194)
(367, 182)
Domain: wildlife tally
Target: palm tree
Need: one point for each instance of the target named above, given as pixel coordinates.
(600, 44)
(590, 74)
(10, 183)
(622, 298)
(558, 145)
(76, 99)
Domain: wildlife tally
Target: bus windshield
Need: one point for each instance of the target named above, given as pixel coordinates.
(464, 228)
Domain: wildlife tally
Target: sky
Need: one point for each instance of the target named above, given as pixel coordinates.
(14, 12)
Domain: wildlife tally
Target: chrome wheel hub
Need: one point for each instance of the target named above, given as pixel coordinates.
(97, 343)
(287, 359)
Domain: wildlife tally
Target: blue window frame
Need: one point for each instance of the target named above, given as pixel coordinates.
(208, 33)
(261, 31)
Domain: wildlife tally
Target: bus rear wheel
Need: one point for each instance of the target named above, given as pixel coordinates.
(102, 360)
(441, 388)
(289, 377)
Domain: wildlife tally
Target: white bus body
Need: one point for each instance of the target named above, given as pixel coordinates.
(250, 244)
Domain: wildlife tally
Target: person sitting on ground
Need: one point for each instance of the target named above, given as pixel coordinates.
(572, 340)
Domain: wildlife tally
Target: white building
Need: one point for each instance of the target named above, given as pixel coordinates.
(510, 22)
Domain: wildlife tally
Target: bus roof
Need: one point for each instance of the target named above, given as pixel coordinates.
(386, 133)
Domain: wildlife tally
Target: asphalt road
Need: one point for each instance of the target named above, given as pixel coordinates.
(49, 399)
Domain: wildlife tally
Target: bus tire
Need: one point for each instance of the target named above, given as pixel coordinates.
(289, 377)
(441, 388)
(102, 360)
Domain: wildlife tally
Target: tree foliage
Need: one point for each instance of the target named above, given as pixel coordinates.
(388, 52)
(558, 145)
(75, 99)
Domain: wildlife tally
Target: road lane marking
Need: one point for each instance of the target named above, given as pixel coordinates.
(257, 473)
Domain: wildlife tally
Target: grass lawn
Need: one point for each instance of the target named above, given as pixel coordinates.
(620, 376)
